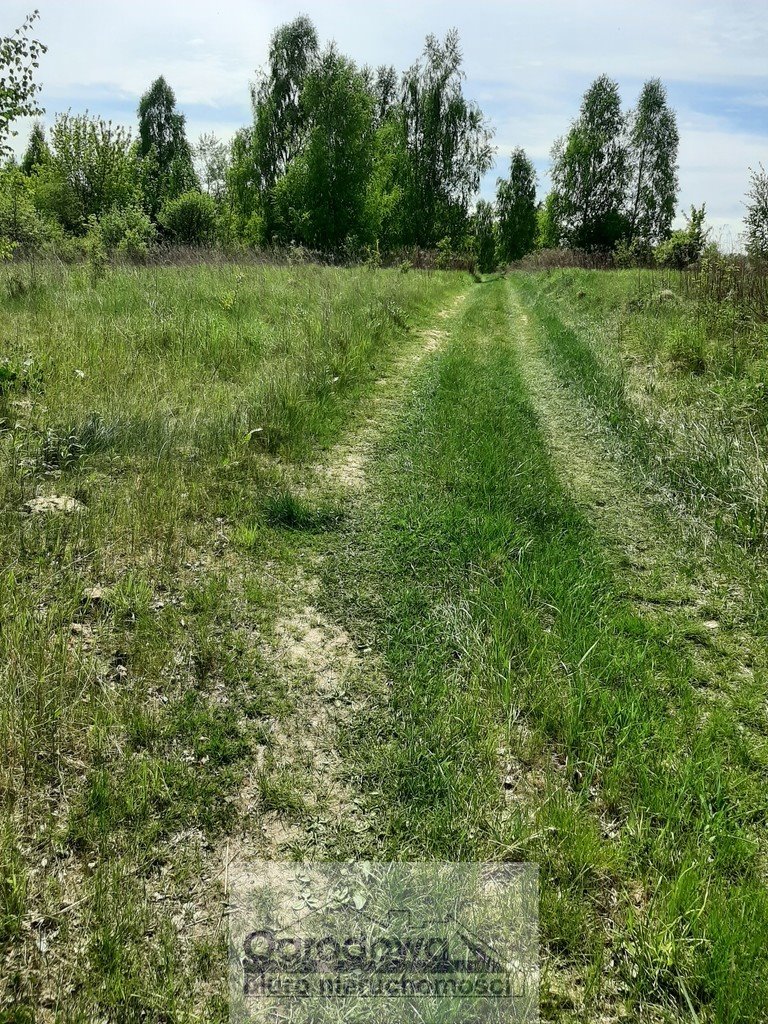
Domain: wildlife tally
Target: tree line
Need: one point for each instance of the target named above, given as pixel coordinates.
(347, 160)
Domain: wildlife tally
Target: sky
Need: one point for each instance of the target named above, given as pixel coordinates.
(527, 63)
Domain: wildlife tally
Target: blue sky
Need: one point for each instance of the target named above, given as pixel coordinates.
(527, 63)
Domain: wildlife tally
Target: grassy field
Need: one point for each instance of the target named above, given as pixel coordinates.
(327, 564)
(149, 426)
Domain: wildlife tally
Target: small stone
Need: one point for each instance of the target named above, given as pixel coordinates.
(55, 503)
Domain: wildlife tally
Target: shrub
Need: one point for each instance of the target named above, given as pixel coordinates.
(190, 219)
(756, 220)
(95, 253)
(255, 231)
(127, 231)
(684, 247)
(637, 253)
(372, 257)
(444, 255)
(20, 224)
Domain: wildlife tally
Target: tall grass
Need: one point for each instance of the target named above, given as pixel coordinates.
(161, 407)
(680, 380)
(737, 280)
(161, 359)
(537, 714)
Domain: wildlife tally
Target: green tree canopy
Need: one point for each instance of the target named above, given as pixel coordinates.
(279, 115)
(91, 170)
(756, 220)
(321, 199)
(212, 156)
(589, 171)
(165, 156)
(19, 59)
(396, 161)
(37, 152)
(263, 154)
(448, 143)
(548, 232)
(385, 91)
(516, 208)
(653, 144)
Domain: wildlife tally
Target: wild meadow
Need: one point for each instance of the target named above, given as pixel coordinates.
(149, 422)
(310, 562)
(347, 515)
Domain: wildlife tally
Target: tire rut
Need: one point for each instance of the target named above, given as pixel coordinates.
(299, 798)
(663, 575)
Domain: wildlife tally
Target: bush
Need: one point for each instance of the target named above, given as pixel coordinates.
(127, 231)
(756, 220)
(637, 253)
(95, 254)
(190, 219)
(21, 226)
(64, 246)
(255, 231)
(444, 256)
(684, 247)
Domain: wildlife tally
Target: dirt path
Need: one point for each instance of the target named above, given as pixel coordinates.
(346, 465)
(300, 798)
(663, 575)
(592, 479)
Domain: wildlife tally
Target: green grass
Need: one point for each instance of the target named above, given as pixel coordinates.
(680, 382)
(290, 512)
(174, 405)
(537, 714)
(182, 362)
(534, 692)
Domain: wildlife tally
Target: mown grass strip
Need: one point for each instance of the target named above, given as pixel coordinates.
(701, 472)
(535, 715)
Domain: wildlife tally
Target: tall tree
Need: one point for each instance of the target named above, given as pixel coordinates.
(37, 152)
(91, 170)
(212, 155)
(278, 122)
(516, 208)
(386, 208)
(19, 59)
(653, 143)
(589, 171)
(484, 231)
(279, 116)
(243, 188)
(756, 220)
(448, 143)
(164, 153)
(321, 198)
